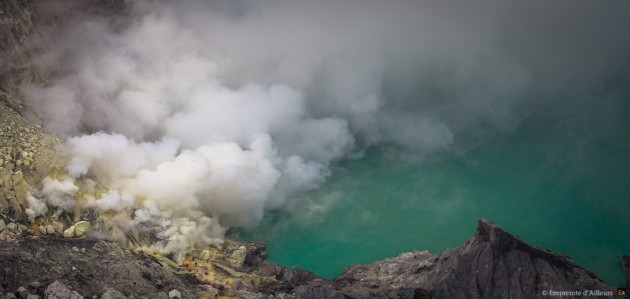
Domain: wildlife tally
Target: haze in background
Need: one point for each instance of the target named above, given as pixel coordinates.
(203, 115)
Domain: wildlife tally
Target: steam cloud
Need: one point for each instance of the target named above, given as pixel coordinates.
(199, 115)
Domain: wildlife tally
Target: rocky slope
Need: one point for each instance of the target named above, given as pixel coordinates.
(28, 152)
(89, 267)
(492, 264)
(37, 260)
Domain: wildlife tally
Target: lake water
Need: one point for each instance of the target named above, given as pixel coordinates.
(558, 183)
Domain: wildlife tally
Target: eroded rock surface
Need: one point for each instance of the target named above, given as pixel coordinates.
(27, 154)
(492, 264)
(89, 267)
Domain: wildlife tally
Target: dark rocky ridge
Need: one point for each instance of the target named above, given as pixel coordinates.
(492, 264)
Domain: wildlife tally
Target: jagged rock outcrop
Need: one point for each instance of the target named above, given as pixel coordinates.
(492, 264)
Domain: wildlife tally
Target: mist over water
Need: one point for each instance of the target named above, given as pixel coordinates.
(559, 183)
(333, 126)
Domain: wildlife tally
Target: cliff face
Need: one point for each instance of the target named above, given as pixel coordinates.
(38, 260)
(25, 23)
(26, 150)
(16, 26)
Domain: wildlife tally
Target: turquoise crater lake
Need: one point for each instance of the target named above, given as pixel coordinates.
(560, 184)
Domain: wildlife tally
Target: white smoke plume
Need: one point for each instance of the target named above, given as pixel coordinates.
(55, 193)
(200, 115)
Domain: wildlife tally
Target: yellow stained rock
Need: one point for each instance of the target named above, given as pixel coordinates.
(81, 227)
(69, 233)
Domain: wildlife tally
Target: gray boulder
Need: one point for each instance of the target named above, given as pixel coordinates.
(58, 290)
